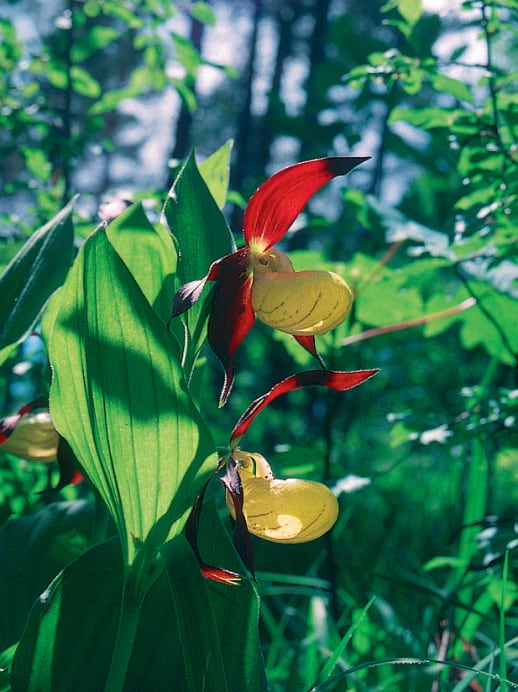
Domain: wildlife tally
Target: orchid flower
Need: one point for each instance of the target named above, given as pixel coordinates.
(258, 280)
(282, 511)
(30, 434)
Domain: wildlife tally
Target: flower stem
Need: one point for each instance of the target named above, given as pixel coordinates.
(126, 632)
(419, 321)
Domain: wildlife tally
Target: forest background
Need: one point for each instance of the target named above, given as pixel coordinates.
(107, 98)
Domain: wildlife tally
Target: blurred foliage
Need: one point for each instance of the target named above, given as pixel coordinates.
(423, 560)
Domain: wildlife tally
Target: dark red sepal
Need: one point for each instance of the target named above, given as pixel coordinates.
(279, 200)
(333, 379)
(224, 576)
(231, 316)
(241, 537)
(190, 293)
(186, 296)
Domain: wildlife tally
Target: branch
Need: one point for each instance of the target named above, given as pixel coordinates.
(418, 322)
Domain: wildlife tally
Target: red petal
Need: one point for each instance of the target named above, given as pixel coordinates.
(333, 379)
(308, 342)
(279, 200)
(231, 316)
(223, 576)
(219, 574)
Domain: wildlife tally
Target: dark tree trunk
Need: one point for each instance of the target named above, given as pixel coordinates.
(183, 141)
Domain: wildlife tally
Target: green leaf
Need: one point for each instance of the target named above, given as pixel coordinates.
(119, 398)
(185, 93)
(426, 118)
(441, 562)
(410, 10)
(383, 301)
(149, 254)
(499, 336)
(202, 12)
(460, 90)
(6, 660)
(33, 275)
(37, 163)
(189, 634)
(187, 54)
(215, 171)
(236, 608)
(83, 83)
(97, 38)
(72, 622)
(34, 549)
(202, 236)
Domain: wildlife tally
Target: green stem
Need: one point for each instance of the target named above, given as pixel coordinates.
(125, 639)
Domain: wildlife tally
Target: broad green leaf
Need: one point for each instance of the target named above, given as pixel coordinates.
(118, 396)
(6, 660)
(478, 330)
(72, 625)
(384, 302)
(184, 641)
(33, 275)
(199, 227)
(34, 549)
(236, 608)
(202, 236)
(215, 170)
(149, 253)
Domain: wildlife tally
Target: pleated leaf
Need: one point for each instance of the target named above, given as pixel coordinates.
(149, 253)
(202, 236)
(119, 398)
(38, 269)
(192, 635)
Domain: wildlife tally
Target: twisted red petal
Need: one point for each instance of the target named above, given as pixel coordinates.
(333, 379)
(308, 342)
(279, 200)
(231, 316)
(224, 576)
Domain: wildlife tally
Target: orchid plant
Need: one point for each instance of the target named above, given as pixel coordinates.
(124, 410)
